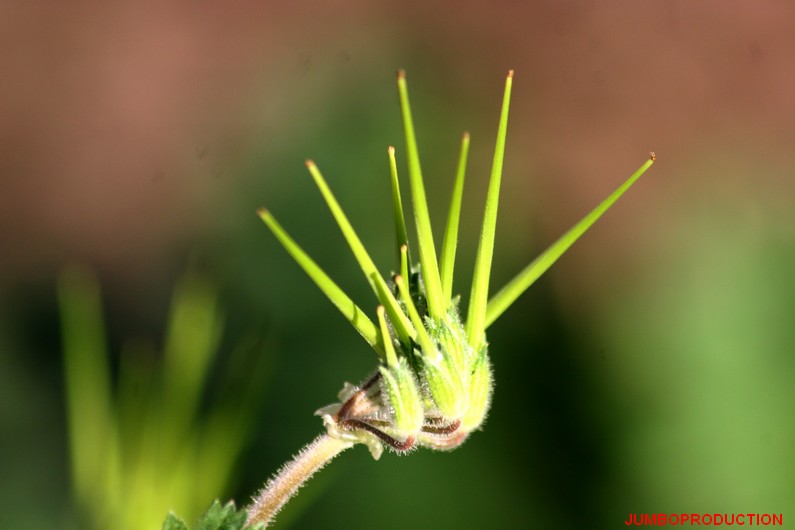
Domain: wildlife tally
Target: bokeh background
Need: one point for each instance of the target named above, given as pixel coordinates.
(651, 370)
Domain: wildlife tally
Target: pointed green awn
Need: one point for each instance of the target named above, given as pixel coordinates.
(433, 384)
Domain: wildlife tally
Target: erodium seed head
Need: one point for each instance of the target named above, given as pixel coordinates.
(433, 385)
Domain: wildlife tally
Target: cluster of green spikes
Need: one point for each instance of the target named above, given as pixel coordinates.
(434, 383)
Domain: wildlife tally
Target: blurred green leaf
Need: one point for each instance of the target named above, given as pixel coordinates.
(217, 517)
(146, 446)
(173, 522)
(88, 389)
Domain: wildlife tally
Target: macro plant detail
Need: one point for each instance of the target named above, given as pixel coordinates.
(433, 384)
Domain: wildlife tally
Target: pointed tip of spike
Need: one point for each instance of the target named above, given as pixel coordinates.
(398, 279)
(652, 156)
(263, 212)
(310, 163)
(510, 74)
(465, 136)
(401, 74)
(380, 310)
(391, 150)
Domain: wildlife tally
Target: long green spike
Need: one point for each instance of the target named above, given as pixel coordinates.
(382, 292)
(400, 321)
(397, 203)
(389, 348)
(476, 317)
(347, 307)
(447, 260)
(508, 294)
(404, 262)
(430, 268)
(423, 338)
(87, 381)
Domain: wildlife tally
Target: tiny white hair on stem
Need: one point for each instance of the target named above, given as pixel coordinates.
(289, 479)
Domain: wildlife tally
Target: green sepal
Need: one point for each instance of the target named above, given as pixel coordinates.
(404, 398)
(451, 337)
(446, 386)
(481, 385)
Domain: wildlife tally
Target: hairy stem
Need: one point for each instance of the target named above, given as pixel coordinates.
(292, 476)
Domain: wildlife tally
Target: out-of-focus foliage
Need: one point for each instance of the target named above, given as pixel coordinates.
(217, 517)
(146, 443)
(703, 353)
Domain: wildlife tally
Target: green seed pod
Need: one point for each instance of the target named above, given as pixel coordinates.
(434, 384)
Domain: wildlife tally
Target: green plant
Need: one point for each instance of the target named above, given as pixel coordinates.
(433, 384)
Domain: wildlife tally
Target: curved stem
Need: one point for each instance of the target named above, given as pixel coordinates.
(279, 489)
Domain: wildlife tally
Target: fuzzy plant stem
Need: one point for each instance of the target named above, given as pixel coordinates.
(289, 479)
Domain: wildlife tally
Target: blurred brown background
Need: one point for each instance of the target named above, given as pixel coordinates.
(138, 138)
(118, 120)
